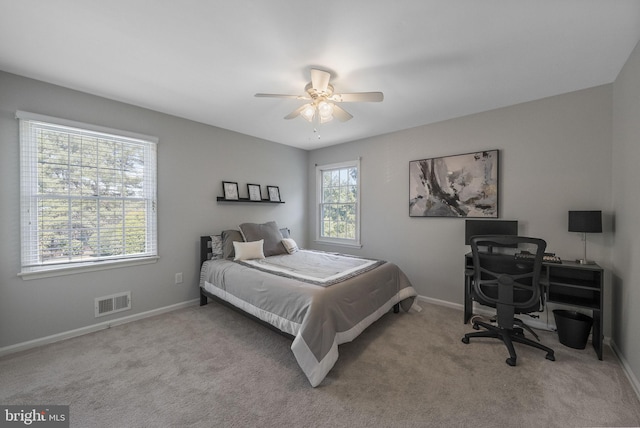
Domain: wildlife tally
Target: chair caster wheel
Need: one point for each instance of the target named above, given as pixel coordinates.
(511, 361)
(476, 327)
(550, 357)
(465, 340)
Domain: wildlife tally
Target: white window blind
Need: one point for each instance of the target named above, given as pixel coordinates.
(338, 197)
(88, 194)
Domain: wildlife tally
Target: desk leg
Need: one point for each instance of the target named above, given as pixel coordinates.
(468, 303)
(596, 337)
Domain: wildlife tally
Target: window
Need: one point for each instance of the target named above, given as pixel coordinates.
(338, 195)
(88, 195)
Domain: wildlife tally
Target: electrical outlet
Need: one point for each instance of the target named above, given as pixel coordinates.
(179, 278)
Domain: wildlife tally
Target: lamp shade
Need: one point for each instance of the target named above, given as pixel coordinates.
(585, 221)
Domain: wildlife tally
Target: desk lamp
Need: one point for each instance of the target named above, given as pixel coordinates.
(585, 222)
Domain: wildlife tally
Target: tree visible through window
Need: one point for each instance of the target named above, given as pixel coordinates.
(339, 202)
(86, 195)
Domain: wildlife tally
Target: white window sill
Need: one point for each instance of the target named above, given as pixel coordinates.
(45, 272)
(339, 243)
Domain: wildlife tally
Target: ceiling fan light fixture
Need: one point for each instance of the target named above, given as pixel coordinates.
(325, 110)
(308, 112)
(326, 119)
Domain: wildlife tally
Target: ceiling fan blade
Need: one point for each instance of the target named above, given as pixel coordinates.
(319, 80)
(296, 112)
(358, 97)
(297, 97)
(341, 114)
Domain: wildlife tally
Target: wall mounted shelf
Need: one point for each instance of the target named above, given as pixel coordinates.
(262, 201)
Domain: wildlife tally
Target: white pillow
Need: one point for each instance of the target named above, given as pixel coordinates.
(290, 245)
(248, 250)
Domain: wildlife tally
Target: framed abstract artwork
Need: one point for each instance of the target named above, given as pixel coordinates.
(455, 186)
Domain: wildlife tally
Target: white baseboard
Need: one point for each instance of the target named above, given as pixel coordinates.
(441, 303)
(635, 383)
(23, 346)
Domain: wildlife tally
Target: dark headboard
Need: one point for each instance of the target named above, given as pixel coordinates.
(205, 249)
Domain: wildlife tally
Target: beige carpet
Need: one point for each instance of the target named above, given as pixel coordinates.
(212, 367)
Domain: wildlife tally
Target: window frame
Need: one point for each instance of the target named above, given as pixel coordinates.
(32, 266)
(320, 169)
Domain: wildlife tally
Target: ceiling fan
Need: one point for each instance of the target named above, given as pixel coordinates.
(322, 100)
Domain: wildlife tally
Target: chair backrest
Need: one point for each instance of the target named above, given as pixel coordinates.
(511, 285)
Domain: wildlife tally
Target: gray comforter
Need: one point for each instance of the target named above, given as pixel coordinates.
(320, 316)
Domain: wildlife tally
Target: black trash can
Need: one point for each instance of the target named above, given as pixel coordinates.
(573, 328)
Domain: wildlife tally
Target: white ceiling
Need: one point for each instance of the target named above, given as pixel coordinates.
(204, 60)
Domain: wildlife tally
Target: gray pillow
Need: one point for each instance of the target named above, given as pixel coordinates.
(267, 231)
(286, 233)
(216, 247)
(228, 236)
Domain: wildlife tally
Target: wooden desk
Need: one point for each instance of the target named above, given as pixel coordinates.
(567, 283)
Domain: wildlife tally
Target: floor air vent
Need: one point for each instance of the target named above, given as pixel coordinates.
(111, 304)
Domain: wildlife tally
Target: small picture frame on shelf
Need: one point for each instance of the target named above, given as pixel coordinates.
(254, 192)
(274, 193)
(230, 190)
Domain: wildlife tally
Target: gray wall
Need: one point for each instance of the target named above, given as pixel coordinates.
(555, 156)
(570, 152)
(626, 178)
(193, 159)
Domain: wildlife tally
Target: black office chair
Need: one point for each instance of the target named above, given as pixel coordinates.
(510, 285)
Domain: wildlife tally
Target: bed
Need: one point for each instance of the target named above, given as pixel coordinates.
(318, 299)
